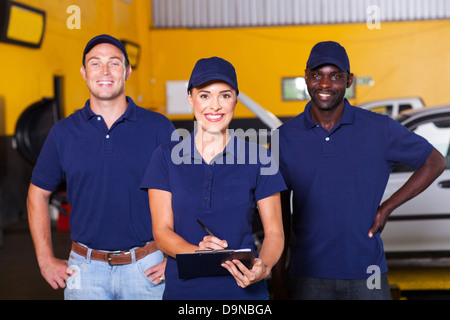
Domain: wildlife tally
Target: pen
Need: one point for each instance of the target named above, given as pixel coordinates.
(205, 228)
(211, 234)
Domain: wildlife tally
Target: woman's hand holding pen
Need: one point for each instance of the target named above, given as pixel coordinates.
(243, 276)
(212, 243)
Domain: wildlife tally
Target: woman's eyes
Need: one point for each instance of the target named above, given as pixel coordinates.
(222, 96)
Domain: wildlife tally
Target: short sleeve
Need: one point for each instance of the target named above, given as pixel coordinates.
(156, 175)
(48, 173)
(405, 146)
(270, 180)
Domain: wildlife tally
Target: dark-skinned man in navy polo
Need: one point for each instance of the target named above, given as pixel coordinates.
(336, 159)
(101, 151)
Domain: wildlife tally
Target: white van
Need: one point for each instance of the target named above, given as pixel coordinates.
(392, 107)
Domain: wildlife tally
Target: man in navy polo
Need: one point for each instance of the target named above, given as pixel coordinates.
(336, 160)
(101, 151)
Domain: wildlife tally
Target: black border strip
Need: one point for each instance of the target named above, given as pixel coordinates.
(420, 217)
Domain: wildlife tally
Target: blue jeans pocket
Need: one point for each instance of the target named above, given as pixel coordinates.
(77, 264)
(149, 261)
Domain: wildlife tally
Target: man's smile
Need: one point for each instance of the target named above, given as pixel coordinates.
(105, 83)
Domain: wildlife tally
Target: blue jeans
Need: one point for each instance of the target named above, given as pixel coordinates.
(305, 288)
(97, 280)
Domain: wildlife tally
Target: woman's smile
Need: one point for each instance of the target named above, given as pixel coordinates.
(214, 117)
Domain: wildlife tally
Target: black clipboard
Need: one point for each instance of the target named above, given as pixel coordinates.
(208, 263)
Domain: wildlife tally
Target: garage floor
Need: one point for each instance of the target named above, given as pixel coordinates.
(20, 278)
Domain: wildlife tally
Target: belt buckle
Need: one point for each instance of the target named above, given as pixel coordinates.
(108, 256)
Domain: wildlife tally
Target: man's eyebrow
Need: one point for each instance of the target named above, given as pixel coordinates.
(109, 58)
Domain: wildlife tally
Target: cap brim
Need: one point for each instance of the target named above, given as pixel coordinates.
(94, 42)
(212, 77)
(316, 63)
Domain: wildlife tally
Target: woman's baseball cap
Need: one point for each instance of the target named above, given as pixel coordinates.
(214, 68)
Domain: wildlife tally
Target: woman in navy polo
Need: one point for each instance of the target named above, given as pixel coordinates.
(219, 179)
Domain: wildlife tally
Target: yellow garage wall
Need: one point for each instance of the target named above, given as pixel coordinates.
(404, 59)
(27, 74)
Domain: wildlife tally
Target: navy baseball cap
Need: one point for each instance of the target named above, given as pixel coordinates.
(210, 69)
(328, 52)
(104, 38)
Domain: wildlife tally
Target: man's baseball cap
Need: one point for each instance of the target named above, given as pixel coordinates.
(328, 52)
(210, 69)
(104, 38)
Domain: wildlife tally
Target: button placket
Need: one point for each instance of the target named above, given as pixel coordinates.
(328, 145)
(100, 124)
(107, 143)
(207, 188)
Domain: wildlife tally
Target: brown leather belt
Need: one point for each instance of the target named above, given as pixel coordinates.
(115, 258)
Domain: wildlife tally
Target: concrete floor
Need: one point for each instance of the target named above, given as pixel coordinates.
(20, 278)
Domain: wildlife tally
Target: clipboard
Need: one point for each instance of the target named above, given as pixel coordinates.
(208, 263)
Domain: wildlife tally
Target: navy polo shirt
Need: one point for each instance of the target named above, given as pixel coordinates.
(103, 170)
(221, 194)
(338, 179)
